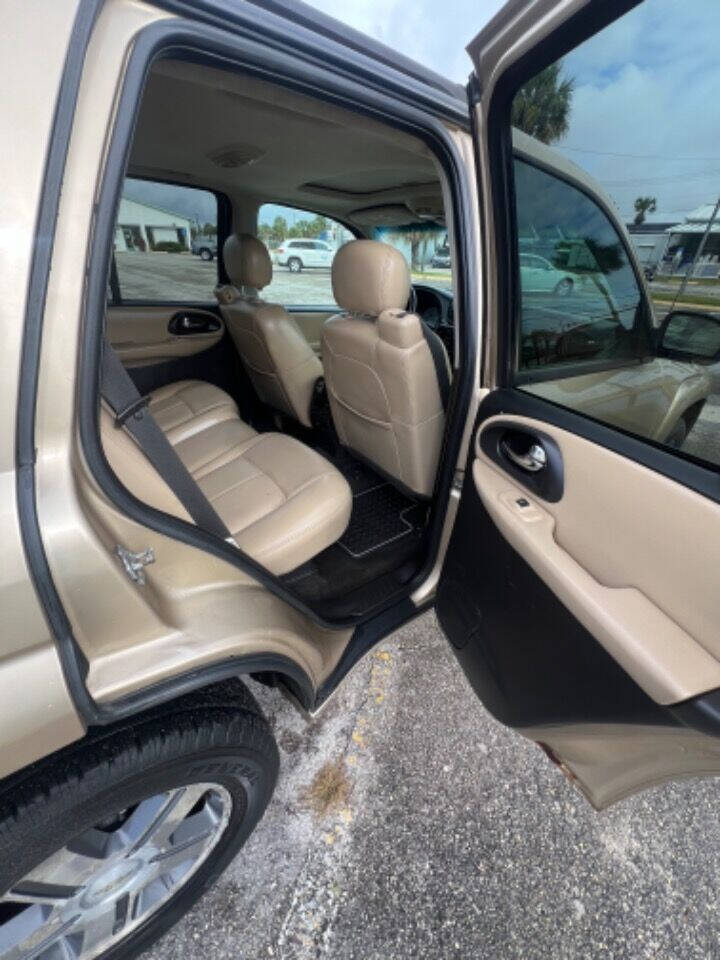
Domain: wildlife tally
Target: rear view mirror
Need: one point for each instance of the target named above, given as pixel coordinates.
(689, 335)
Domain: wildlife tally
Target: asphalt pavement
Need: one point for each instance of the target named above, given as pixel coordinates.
(172, 276)
(457, 839)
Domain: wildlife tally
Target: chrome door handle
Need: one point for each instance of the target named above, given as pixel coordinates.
(532, 461)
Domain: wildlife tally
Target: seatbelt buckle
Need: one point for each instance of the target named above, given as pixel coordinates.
(131, 410)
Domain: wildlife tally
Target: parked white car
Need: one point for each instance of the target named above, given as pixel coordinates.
(538, 275)
(297, 254)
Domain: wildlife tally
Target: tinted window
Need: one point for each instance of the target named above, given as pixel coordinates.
(580, 301)
(165, 243)
(616, 162)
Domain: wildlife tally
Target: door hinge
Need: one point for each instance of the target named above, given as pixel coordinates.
(457, 480)
(135, 563)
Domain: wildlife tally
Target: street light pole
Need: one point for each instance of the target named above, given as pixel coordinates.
(698, 254)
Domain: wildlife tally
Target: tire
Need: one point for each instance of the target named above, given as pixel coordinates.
(206, 255)
(295, 265)
(564, 288)
(198, 773)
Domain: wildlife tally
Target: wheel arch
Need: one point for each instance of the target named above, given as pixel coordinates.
(270, 668)
(229, 693)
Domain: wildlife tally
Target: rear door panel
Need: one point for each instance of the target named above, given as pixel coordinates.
(560, 613)
(149, 334)
(584, 610)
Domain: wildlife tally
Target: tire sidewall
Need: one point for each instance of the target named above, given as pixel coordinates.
(246, 774)
(295, 265)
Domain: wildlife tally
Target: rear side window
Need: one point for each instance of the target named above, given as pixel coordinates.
(165, 244)
(302, 247)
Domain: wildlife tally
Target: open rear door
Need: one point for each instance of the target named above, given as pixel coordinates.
(580, 590)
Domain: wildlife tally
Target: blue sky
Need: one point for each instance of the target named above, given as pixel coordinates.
(645, 116)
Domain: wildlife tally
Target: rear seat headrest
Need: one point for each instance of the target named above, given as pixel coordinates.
(369, 277)
(247, 261)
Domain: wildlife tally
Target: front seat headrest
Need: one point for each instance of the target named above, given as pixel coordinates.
(247, 261)
(369, 277)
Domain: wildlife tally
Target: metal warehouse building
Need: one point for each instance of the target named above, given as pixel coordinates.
(142, 227)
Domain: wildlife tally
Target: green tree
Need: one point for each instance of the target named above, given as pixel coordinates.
(298, 229)
(417, 239)
(279, 230)
(541, 108)
(317, 226)
(642, 206)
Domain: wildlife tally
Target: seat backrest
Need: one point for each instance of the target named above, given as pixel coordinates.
(381, 379)
(280, 362)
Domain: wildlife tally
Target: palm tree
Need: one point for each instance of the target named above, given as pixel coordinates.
(642, 206)
(541, 108)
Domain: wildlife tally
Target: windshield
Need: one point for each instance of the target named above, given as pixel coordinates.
(426, 249)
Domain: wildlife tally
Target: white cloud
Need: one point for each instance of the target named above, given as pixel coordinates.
(432, 32)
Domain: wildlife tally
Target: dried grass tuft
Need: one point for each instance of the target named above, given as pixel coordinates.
(329, 790)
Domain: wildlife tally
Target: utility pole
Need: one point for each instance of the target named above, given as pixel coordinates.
(698, 254)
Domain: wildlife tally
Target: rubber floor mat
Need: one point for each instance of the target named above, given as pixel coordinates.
(379, 517)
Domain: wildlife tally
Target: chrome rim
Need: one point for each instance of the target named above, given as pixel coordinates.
(95, 891)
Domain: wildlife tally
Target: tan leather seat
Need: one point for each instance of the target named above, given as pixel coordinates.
(282, 502)
(279, 360)
(380, 375)
(189, 406)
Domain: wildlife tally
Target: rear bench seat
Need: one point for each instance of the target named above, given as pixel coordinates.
(282, 502)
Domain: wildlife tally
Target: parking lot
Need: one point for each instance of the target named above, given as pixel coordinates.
(175, 276)
(457, 839)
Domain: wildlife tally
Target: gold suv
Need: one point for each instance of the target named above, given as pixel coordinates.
(223, 467)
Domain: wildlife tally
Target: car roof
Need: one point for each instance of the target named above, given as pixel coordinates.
(328, 27)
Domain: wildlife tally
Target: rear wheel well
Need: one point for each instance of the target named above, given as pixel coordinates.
(231, 695)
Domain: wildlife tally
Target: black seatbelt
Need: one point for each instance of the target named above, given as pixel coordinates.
(439, 358)
(130, 409)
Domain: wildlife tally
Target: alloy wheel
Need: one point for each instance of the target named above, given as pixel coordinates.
(96, 890)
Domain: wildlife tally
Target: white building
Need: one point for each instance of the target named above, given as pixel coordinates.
(650, 238)
(142, 227)
(683, 242)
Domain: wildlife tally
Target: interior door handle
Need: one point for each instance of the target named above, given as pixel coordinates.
(186, 323)
(529, 455)
(534, 460)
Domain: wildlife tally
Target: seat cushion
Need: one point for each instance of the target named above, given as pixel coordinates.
(190, 406)
(282, 502)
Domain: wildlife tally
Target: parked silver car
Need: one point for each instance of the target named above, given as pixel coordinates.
(205, 248)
